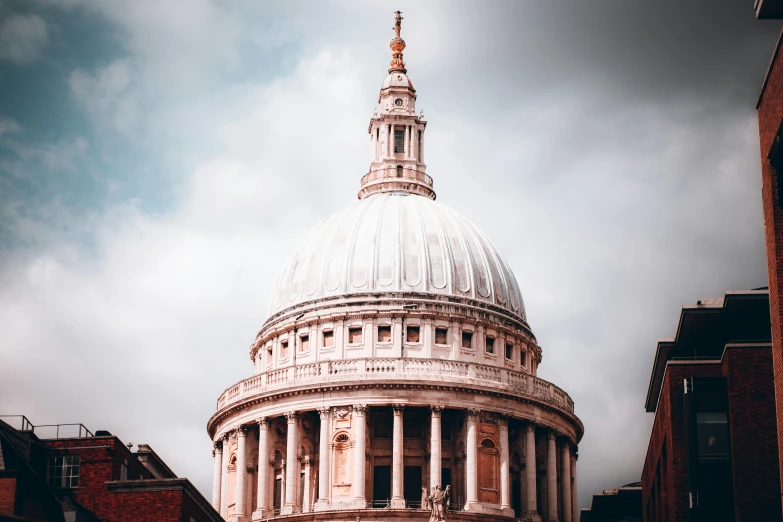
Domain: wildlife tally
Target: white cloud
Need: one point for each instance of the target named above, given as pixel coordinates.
(107, 95)
(9, 126)
(22, 38)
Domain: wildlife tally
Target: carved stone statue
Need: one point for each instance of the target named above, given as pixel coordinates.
(438, 502)
(397, 22)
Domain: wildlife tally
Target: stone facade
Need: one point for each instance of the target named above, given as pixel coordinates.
(396, 358)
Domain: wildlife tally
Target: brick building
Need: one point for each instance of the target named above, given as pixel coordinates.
(713, 451)
(770, 116)
(65, 472)
(623, 504)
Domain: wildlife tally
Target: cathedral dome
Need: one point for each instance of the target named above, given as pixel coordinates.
(397, 242)
(398, 79)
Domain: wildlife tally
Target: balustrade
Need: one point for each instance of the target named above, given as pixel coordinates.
(402, 368)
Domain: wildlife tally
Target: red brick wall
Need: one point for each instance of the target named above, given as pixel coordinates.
(751, 394)
(753, 429)
(152, 506)
(770, 113)
(669, 426)
(7, 496)
(101, 459)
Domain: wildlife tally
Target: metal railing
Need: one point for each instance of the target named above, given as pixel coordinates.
(62, 431)
(18, 422)
(406, 369)
(47, 431)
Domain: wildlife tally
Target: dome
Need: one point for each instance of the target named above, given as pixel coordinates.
(397, 242)
(398, 79)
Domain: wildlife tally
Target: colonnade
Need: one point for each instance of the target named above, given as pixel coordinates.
(481, 491)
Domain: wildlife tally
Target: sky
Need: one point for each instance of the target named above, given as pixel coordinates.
(159, 160)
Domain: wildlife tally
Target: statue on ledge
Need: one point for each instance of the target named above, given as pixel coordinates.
(438, 503)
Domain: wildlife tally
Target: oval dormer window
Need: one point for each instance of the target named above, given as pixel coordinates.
(398, 102)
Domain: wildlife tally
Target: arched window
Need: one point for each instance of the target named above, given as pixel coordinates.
(487, 443)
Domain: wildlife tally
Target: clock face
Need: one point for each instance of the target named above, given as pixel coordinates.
(398, 102)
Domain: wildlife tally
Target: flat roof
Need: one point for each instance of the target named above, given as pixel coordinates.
(705, 328)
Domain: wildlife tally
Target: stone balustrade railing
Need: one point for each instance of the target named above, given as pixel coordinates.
(425, 370)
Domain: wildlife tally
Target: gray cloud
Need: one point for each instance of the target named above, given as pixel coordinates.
(22, 38)
(608, 149)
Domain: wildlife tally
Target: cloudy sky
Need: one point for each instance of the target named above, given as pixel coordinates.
(158, 161)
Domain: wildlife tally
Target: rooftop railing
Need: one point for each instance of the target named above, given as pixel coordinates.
(47, 431)
(424, 370)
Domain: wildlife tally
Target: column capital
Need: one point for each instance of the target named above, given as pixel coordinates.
(531, 425)
(263, 423)
(551, 434)
(219, 445)
(243, 431)
(472, 412)
(291, 416)
(227, 436)
(360, 409)
(398, 408)
(436, 410)
(323, 412)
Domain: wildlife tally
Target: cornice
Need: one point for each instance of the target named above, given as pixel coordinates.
(237, 407)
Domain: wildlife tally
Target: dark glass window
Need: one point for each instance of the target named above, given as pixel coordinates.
(64, 471)
(467, 340)
(712, 430)
(384, 334)
(412, 334)
(354, 335)
(399, 141)
(441, 336)
(304, 343)
(284, 349)
(509, 351)
(328, 339)
(523, 358)
(490, 346)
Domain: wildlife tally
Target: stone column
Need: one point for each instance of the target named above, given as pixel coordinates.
(565, 480)
(360, 416)
(398, 456)
(405, 143)
(389, 141)
(239, 506)
(217, 474)
(306, 495)
(551, 478)
(531, 509)
(263, 464)
(471, 490)
(415, 141)
(435, 438)
(224, 485)
(290, 460)
(323, 461)
(574, 497)
(505, 492)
